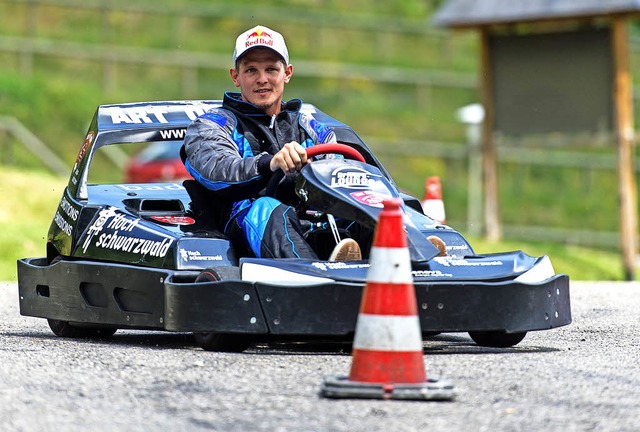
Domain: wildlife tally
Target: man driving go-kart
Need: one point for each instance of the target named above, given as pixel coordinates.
(234, 150)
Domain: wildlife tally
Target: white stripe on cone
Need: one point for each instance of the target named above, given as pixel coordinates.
(388, 333)
(389, 265)
(434, 208)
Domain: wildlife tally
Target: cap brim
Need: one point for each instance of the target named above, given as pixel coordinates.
(260, 46)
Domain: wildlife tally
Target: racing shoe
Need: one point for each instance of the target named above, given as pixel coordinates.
(347, 250)
(440, 244)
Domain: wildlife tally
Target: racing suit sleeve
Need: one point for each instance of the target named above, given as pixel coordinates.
(218, 157)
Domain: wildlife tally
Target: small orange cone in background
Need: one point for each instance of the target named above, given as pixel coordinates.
(387, 357)
(432, 205)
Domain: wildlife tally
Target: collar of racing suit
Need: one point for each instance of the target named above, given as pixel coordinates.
(234, 100)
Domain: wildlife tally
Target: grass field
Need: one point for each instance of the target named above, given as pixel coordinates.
(29, 200)
(31, 197)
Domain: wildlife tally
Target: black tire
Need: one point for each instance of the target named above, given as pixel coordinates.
(221, 342)
(67, 330)
(497, 339)
(216, 274)
(430, 334)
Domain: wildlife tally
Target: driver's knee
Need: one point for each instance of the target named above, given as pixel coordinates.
(262, 208)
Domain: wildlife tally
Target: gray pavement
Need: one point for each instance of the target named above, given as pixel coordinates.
(583, 377)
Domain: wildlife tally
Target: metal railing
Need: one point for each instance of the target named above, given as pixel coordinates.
(34, 145)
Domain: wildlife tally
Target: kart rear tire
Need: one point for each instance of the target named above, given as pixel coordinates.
(67, 330)
(497, 339)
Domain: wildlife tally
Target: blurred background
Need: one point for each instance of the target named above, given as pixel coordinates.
(381, 67)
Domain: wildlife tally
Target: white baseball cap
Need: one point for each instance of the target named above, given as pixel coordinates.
(260, 36)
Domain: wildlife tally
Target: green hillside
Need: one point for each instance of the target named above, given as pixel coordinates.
(27, 210)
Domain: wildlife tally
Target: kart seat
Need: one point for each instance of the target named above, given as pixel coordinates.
(209, 209)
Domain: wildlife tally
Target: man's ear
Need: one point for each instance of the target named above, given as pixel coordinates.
(288, 73)
(234, 76)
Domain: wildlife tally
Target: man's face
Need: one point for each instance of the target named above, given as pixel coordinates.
(261, 76)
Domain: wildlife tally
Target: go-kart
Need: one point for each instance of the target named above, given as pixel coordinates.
(153, 256)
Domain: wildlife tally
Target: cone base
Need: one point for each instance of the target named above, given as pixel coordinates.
(430, 390)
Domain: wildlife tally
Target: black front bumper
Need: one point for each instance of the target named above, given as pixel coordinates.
(123, 296)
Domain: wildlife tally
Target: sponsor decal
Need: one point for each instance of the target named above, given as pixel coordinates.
(174, 220)
(83, 150)
(188, 255)
(370, 198)
(173, 134)
(138, 115)
(69, 209)
(430, 273)
(457, 247)
(461, 262)
(154, 187)
(97, 225)
(119, 237)
(151, 113)
(65, 208)
(353, 178)
(115, 241)
(63, 224)
(320, 266)
(337, 265)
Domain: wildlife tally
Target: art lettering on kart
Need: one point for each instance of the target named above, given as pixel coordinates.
(153, 114)
(112, 233)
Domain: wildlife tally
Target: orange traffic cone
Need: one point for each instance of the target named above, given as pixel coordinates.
(432, 205)
(387, 358)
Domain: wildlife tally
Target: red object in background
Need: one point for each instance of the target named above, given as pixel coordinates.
(159, 162)
(432, 204)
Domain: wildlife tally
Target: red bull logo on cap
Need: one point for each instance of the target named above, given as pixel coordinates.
(259, 37)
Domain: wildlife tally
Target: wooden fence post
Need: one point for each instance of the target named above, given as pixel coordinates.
(627, 188)
(493, 229)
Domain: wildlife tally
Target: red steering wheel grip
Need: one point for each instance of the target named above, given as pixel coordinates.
(341, 149)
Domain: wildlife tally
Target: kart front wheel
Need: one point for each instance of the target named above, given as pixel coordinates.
(221, 342)
(68, 330)
(497, 339)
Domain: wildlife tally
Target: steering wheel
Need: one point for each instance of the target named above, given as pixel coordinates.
(318, 149)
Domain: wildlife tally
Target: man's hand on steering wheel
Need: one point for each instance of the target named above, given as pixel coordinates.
(291, 158)
(304, 159)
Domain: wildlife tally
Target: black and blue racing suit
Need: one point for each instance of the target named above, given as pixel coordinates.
(229, 149)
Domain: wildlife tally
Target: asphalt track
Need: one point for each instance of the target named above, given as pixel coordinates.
(582, 377)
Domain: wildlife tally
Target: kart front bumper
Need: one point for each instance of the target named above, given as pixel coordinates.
(124, 296)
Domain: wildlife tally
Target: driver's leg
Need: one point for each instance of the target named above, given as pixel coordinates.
(272, 230)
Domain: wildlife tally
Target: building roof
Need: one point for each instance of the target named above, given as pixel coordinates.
(473, 13)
